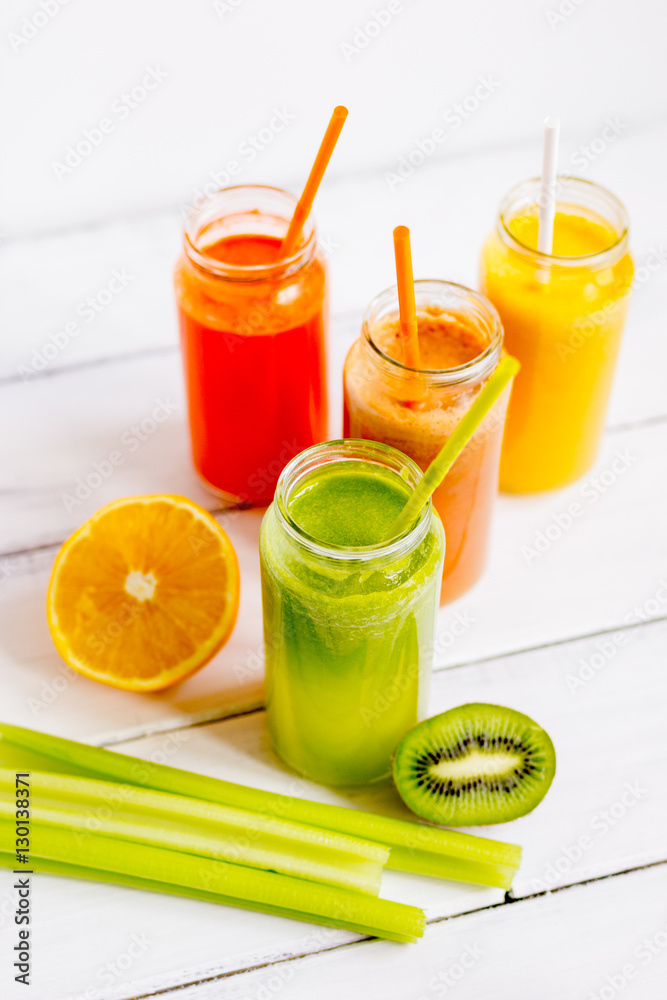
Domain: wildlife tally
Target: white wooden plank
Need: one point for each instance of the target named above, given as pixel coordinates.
(72, 421)
(597, 941)
(526, 599)
(609, 733)
(574, 561)
(603, 703)
(178, 134)
(356, 214)
(56, 470)
(42, 691)
(604, 572)
(103, 291)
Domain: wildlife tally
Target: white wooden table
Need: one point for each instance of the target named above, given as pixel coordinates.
(575, 636)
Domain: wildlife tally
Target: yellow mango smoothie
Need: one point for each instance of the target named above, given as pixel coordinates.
(563, 315)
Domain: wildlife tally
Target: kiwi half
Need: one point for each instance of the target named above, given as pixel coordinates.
(475, 764)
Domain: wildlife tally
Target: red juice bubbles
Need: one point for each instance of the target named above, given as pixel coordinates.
(253, 333)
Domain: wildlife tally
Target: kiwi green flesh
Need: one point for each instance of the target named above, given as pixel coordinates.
(474, 765)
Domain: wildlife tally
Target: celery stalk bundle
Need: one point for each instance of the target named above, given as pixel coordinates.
(203, 828)
(101, 815)
(413, 847)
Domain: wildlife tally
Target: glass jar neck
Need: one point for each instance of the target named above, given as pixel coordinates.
(573, 196)
(320, 456)
(245, 210)
(451, 301)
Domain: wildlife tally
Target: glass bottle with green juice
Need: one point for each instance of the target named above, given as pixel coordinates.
(348, 615)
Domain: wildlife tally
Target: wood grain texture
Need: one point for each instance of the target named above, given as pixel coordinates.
(355, 216)
(571, 586)
(605, 814)
(597, 942)
(567, 624)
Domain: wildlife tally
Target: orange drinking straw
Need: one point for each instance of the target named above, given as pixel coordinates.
(305, 202)
(406, 295)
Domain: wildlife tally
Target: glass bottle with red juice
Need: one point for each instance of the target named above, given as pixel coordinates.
(253, 336)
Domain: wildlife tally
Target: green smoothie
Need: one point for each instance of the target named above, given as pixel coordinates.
(348, 617)
(348, 504)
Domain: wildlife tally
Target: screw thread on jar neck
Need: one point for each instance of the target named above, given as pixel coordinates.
(350, 450)
(454, 300)
(574, 195)
(245, 210)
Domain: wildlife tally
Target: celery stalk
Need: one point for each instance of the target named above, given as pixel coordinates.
(407, 859)
(247, 887)
(410, 842)
(204, 828)
(45, 866)
(17, 758)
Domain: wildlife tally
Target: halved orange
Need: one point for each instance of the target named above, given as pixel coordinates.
(144, 594)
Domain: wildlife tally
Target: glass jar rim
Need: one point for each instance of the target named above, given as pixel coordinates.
(247, 272)
(533, 184)
(471, 370)
(344, 450)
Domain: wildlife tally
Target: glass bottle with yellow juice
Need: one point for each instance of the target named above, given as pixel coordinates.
(563, 315)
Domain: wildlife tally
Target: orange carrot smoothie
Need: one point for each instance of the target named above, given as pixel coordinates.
(460, 344)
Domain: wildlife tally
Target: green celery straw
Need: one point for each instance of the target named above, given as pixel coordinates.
(455, 444)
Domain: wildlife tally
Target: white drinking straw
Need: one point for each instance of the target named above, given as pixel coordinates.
(547, 207)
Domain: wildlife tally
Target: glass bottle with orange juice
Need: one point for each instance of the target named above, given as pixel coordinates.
(563, 315)
(460, 344)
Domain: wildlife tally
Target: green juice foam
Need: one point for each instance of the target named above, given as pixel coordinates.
(350, 504)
